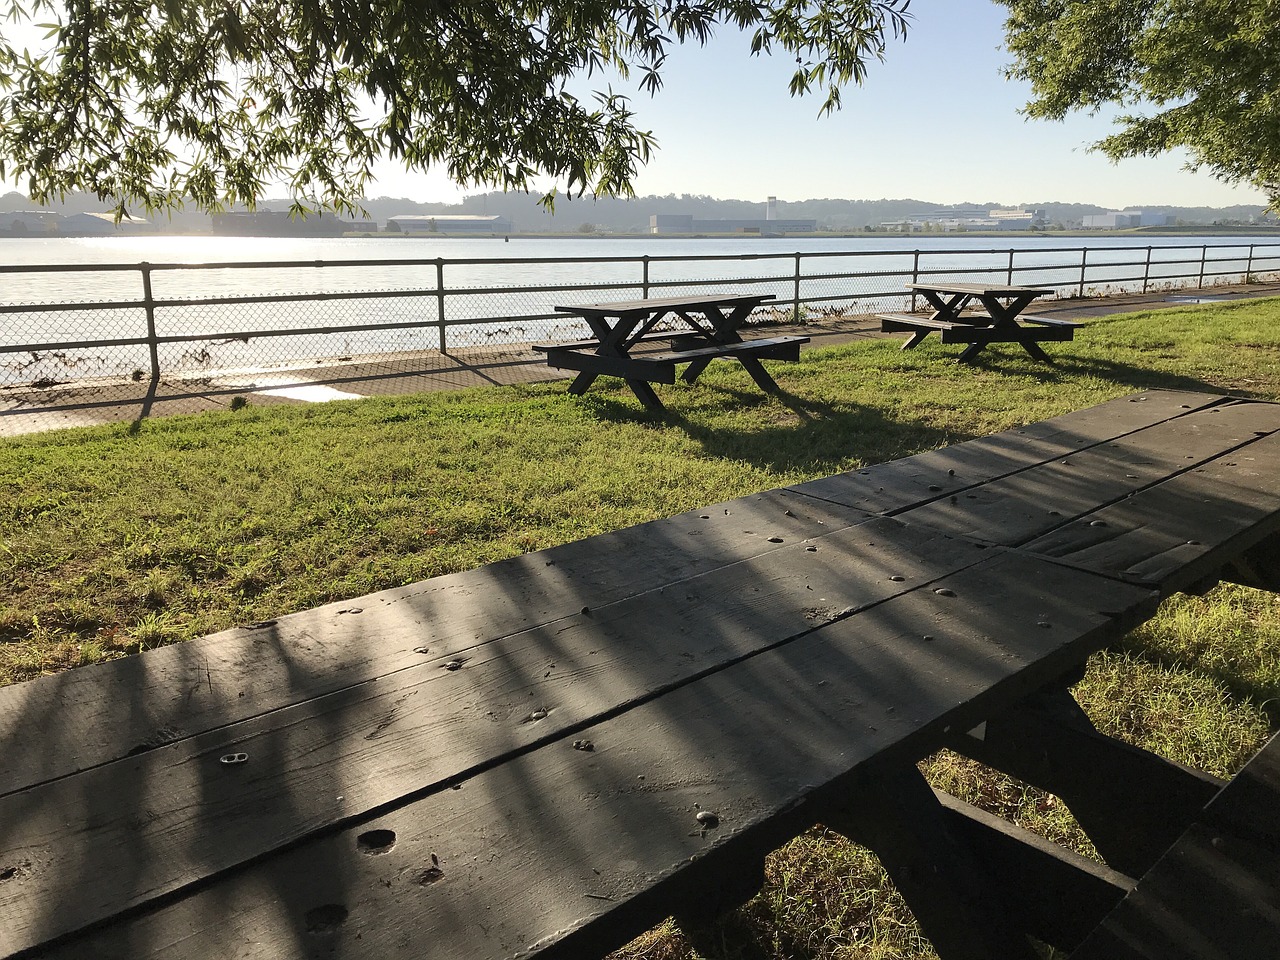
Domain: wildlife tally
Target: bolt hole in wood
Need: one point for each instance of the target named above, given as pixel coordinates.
(374, 842)
(326, 918)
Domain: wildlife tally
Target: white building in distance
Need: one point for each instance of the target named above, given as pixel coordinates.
(1123, 219)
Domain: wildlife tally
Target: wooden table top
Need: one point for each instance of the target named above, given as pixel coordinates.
(504, 759)
(695, 302)
(981, 289)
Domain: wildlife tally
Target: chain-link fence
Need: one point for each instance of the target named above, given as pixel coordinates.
(93, 342)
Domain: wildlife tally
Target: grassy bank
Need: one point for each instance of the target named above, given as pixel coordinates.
(114, 539)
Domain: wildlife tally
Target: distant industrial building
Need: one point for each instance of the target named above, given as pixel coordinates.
(770, 226)
(685, 223)
(468, 225)
(30, 222)
(969, 218)
(1124, 219)
(273, 223)
(102, 225)
(46, 223)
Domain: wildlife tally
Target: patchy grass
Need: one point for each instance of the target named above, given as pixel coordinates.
(117, 539)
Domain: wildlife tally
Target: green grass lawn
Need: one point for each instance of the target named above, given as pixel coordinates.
(117, 539)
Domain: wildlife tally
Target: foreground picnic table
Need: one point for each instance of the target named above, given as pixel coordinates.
(706, 327)
(1000, 319)
(548, 755)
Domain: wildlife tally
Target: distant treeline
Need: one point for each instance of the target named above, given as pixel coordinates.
(584, 214)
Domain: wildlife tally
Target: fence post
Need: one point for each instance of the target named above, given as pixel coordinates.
(1009, 279)
(440, 302)
(644, 290)
(1146, 271)
(795, 305)
(1204, 250)
(152, 346)
(1084, 257)
(1248, 267)
(915, 278)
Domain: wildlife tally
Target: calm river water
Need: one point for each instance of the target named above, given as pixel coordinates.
(496, 291)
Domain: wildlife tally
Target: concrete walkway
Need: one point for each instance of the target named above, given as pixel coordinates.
(26, 409)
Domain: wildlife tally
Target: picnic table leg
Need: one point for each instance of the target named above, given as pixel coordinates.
(900, 818)
(759, 374)
(725, 330)
(581, 382)
(1004, 317)
(947, 310)
(722, 331)
(646, 394)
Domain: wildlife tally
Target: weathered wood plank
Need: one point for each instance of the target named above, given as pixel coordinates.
(1251, 807)
(649, 368)
(904, 484)
(565, 852)
(1214, 896)
(980, 289)
(770, 348)
(96, 714)
(907, 322)
(695, 302)
(1179, 532)
(1017, 508)
(339, 756)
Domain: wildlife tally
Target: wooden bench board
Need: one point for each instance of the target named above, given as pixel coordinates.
(1049, 321)
(99, 713)
(1215, 895)
(1035, 501)
(571, 852)
(425, 726)
(764, 348)
(1027, 317)
(938, 474)
(694, 302)
(907, 322)
(645, 367)
(656, 337)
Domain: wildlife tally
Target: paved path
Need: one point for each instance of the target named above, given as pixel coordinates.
(316, 381)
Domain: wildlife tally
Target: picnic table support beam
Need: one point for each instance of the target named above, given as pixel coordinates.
(1257, 567)
(899, 817)
(1060, 895)
(1132, 803)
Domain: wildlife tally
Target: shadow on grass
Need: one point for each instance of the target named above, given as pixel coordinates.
(822, 437)
(1077, 369)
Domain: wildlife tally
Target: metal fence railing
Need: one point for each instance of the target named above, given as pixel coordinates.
(84, 337)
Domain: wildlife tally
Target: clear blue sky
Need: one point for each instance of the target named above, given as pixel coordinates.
(936, 121)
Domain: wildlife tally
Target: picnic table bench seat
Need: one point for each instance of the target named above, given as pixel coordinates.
(548, 755)
(1215, 894)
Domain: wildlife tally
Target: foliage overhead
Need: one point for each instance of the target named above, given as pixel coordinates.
(152, 103)
(1203, 75)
